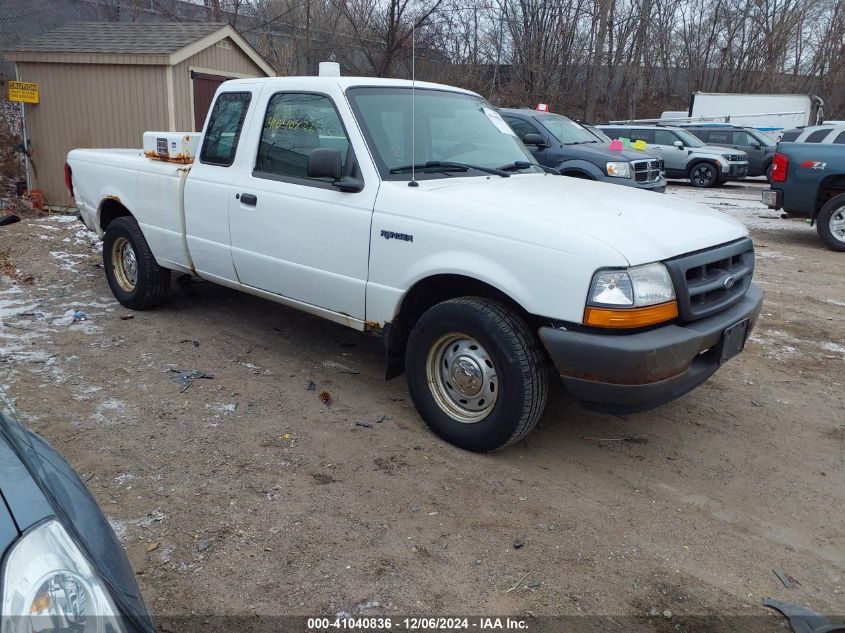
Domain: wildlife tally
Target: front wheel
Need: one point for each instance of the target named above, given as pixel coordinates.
(704, 175)
(134, 276)
(830, 223)
(476, 373)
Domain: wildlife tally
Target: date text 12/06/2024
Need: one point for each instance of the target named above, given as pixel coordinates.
(376, 624)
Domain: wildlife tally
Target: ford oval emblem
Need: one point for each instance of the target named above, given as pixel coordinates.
(729, 282)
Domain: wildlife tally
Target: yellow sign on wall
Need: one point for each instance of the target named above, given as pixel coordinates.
(24, 91)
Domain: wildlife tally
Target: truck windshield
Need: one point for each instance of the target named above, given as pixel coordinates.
(566, 130)
(452, 130)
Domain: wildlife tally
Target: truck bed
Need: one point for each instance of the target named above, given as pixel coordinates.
(104, 178)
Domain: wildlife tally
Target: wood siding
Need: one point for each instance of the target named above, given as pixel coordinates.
(215, 60)
(88, 105)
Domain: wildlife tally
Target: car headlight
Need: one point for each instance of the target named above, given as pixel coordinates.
(49, 585)
(631, 297)
(619, 170)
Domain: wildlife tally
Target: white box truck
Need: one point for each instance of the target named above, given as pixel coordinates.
(769, 113)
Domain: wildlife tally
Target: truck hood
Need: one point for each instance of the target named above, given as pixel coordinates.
(640, 225)
(601, 152)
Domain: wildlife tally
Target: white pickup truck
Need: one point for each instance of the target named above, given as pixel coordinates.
(482, 271)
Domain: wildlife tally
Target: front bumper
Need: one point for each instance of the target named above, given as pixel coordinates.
(627, 373)
(734, 171)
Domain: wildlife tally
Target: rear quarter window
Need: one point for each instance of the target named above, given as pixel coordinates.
(818, 136)
(840, 139)
(224, 128)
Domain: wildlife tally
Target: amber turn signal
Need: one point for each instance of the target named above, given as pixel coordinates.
(630, 317)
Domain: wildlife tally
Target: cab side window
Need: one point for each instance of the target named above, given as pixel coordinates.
(790, 136)
(520, 126)
(294, 126)
(744, 138)
(664, 137)
(224, 128)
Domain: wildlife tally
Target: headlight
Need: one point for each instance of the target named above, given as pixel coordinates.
(633, 297)
(619, 170)
(48, 585)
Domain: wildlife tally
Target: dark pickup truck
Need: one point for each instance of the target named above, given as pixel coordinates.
(808, 181)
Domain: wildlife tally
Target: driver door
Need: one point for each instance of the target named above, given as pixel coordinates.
(293, 235)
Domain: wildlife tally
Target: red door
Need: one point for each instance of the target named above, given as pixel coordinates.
(204, 86)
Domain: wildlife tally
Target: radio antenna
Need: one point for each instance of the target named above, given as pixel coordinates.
(413, 182)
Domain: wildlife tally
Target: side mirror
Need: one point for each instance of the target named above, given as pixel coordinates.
(679, 144)
(535, 140)
(324, 162)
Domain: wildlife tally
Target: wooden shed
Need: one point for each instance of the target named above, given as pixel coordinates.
(104, 84)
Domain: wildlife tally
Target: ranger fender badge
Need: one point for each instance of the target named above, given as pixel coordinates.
(391, 235)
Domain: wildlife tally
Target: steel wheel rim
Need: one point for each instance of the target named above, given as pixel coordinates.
(837, 224)
(462, 378)
(124, 264)
(702, 175)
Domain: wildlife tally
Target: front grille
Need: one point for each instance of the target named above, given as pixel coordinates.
(647, 170)
(709, 281)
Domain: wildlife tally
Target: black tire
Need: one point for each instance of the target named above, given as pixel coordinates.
(830, 223)
(518, 370)
(150, 284)
(703, 174)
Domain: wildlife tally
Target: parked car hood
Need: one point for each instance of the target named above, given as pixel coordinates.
(715, 149)
(640, 225)
(26, 504)
(601, 152)
(37, 483)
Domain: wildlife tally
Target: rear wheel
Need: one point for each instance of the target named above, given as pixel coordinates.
(830, 223)
(476, 373)
(135, 279)
(704, 175)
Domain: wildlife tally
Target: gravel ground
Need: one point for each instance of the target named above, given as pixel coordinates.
(250, 493)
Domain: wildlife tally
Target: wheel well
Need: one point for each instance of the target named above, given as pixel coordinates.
(427, 293)
(698, 161)
(110, 210)
(829, 188)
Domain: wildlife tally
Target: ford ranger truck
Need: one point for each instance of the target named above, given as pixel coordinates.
(414, 211)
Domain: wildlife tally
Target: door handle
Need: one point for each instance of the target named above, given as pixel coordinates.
(250, 199)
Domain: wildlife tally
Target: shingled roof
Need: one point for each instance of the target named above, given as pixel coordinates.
(119, 38)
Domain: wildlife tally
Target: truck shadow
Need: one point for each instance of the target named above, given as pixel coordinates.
(248, 322)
